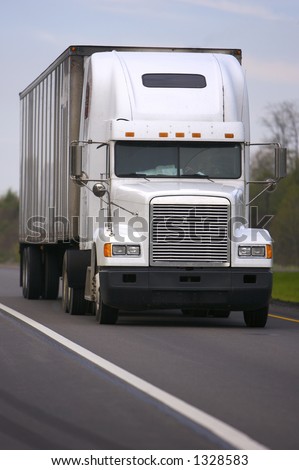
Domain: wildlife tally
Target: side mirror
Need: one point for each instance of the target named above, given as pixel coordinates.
(280, 163)
(99, 190)
(76, 161)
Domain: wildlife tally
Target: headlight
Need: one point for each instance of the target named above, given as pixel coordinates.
(111, 249)
(258, 251)
(255, 251)
(133, 250)
(244, 251)
(118, 250)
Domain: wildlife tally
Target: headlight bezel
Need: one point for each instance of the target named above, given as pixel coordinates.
(119, 250)
(255, 251)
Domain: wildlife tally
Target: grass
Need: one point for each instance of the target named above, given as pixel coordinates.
(286, 286)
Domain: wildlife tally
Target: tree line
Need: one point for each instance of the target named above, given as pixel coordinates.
(279, 207)
(9, 221)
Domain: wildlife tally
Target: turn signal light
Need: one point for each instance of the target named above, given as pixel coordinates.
(108, 250)
(269, 251)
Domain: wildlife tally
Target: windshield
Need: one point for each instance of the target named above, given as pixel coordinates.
(178, 160)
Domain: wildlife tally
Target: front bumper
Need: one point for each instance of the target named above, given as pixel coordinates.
(185, 288)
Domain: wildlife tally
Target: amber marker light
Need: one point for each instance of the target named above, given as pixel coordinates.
(130, 134)
(196, 135)
(269, 252)
(229, 136)
(108, 250)
(163, 134)
(180, 134)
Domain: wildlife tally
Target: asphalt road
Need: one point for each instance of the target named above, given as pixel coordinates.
(52, 397)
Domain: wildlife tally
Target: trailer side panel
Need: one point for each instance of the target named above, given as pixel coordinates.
(50, 119)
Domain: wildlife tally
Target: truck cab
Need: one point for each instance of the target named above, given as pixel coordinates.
(171, 151)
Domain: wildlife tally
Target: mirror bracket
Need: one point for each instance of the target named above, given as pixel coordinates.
(280, 168)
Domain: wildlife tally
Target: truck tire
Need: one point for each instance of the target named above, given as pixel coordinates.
(32, 272)
(51, 276)
(77, 303)
(256, 318)
(105, 314)
(65, 289)
(73, 301)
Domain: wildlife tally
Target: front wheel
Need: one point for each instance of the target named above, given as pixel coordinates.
(256, 318)
(105, 314)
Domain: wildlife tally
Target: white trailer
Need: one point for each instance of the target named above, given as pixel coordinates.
(135, 185)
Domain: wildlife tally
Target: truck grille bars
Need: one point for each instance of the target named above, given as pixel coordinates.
(190, 235)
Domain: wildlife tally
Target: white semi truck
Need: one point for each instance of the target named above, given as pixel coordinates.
(135, 185)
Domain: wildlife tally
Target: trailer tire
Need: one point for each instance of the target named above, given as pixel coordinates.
(32, 272)
(51, 276)
(256, 318)
(65, 289)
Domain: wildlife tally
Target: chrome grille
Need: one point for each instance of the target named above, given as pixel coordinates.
(188, 234)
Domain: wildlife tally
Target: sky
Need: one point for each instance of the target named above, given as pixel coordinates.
(34, 32)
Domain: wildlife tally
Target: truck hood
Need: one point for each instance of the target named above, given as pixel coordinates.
(132, 196)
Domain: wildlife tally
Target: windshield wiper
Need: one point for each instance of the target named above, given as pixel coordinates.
(145, 175)
(133, 175)
(161, 175)
(199, 176)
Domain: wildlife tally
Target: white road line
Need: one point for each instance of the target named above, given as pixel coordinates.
(232, 436)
